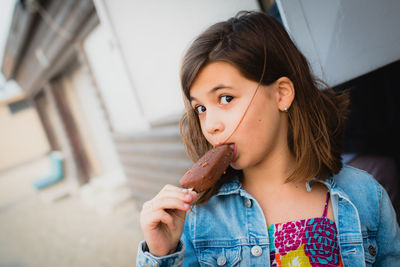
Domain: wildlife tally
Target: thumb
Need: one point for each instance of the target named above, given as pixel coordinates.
(179, 215)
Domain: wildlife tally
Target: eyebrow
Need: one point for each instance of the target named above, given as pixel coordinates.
(214, 89)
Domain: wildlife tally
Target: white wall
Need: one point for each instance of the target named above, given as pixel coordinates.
(153, 36)
(113, 83)
(344, 39)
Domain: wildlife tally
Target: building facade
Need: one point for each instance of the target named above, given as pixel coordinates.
(103, 77)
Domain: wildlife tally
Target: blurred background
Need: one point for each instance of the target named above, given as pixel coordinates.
(90, 104)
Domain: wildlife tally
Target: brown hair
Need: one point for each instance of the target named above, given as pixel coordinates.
(253, 42)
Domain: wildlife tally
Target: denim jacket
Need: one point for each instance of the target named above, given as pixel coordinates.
(230, 229)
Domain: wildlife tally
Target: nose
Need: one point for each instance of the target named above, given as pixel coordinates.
(213, 124)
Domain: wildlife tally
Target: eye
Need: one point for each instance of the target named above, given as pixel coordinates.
(200, 109)
(225, 99)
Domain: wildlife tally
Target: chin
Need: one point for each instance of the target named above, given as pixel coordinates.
(237, 166)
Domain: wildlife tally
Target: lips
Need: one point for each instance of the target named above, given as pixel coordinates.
(234, 148)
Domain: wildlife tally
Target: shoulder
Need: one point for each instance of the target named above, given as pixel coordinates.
(376, 214)
(362, 190)
(356, 183)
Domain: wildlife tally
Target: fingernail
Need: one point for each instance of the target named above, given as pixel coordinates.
(187, 196)
(186, 205)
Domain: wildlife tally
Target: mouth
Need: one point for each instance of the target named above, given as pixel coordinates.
(234, 148)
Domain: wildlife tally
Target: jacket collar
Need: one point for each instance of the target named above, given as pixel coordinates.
(329, 183)
(234, 186)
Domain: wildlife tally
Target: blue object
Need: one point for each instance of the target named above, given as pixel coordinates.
(56, 173)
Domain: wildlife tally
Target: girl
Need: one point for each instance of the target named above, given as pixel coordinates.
(286, 199)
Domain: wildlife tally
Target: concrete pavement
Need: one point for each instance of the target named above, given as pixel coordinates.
(36, 230)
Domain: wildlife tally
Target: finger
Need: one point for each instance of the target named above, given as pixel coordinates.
(154, 219)
(167, 219)
(173, 188)
(148, 206)
(165, 202)
(190, 192)
(184, 195)
(177, 214)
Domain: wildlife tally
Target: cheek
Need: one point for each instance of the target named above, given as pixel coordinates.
(260, 127)
(233, 118)
(262, 112)
(203, 131)
(260, 117)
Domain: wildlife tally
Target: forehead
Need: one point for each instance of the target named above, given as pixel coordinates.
(216, 74)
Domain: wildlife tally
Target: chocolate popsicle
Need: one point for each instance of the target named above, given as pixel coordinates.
(208, 169)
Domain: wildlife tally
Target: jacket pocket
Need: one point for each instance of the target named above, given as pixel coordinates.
(370, 247)
(216, 256)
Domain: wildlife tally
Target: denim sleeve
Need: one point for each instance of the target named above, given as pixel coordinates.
(388, 235)
(146, 259)
(184, 256)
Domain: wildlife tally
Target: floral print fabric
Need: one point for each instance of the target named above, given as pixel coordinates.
(310, 242)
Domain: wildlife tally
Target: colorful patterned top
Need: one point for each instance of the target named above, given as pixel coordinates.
(308, 242)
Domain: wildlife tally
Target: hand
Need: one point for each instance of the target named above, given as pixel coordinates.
(162, 219)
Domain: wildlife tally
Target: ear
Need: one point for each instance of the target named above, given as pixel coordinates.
(284, 89)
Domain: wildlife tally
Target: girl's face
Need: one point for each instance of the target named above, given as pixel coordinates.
(220, 96)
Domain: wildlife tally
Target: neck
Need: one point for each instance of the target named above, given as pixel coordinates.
(270, 175)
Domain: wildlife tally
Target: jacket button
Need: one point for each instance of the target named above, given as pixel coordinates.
(221, 260)
(372, 250)
(248, 203)
(256, 251)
